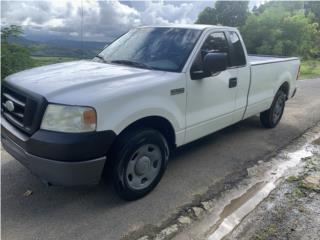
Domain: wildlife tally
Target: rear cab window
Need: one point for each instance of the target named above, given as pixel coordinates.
(237, 55)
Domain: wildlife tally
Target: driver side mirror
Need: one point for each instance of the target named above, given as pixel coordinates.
(212, 64)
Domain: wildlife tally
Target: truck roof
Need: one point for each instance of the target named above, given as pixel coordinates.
(190, 26)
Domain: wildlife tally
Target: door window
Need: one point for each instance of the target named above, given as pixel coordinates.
(215, 43)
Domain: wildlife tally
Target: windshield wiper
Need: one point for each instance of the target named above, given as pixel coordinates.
(131, 63)
(101, 58)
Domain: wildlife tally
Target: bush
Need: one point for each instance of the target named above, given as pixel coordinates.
(279, 32)
(14, 58)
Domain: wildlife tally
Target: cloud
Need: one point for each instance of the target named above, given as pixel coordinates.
(38, 16)
(93, 19)
(109, 18)
(164, 13)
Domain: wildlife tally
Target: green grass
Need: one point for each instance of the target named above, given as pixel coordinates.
(297, 193)
(291, 179)
(40, 61)
(269, 232)
(310, 69)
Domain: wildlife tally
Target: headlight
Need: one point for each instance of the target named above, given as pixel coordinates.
(63, 118)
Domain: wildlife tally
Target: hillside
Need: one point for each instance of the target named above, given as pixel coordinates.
(60, 47)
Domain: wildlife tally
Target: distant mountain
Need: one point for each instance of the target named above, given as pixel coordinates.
(21, 41)
(74, 44)
(60, 47)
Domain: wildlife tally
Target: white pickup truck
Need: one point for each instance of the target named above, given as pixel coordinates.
(122, 113)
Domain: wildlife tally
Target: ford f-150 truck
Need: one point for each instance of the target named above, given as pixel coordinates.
(153, 89)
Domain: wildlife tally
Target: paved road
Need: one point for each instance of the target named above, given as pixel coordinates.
(96, 213)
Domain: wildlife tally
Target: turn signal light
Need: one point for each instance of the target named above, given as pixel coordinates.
(89, 117)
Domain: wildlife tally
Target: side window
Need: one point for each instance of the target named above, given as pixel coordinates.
(237, 56)
(215, 42)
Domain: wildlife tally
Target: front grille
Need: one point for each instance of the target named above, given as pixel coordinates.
(19, 106)
(22, 109)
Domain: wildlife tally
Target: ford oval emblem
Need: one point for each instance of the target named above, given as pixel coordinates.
(9, 105)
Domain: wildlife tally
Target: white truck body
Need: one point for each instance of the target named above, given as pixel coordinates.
(131, 93)
(122, 95)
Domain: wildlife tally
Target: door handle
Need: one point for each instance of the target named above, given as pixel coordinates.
(233, 82)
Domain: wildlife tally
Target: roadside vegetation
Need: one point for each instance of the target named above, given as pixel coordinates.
(310, 69)
(14, 57)
(286, 28)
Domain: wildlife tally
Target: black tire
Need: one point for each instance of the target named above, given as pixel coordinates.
(126, 153)
(271, 117)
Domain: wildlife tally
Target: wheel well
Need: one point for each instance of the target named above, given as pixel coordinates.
(156, 122)
(285, 88)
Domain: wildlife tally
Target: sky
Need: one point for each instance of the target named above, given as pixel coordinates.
(95, 20)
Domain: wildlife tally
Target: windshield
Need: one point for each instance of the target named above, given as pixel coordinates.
(158, 48)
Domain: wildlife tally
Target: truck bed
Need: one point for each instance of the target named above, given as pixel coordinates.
(264, 59)
(267, 75)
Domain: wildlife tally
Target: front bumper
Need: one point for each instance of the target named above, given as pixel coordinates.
(59, 158)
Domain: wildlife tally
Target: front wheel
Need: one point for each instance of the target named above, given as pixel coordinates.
(271, 117)
(139, 161)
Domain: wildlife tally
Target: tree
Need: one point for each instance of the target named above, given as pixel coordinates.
(14, 58)
(228, 13)
(313, 7)
(208, 16)
(308, 7)
(289, 6)
(12, 31)
(278, 31)
(232, 13)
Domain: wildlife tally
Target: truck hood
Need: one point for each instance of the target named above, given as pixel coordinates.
(64, 78)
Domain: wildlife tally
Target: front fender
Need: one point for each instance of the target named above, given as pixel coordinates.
(119, 116)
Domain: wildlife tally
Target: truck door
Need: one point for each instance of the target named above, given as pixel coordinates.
(210, 100)
(238, 62)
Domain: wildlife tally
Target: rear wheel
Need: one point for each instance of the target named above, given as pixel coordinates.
(139, 161)
(271, 117)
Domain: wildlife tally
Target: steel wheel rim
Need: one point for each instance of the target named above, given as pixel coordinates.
(143, 167)
(278, 109)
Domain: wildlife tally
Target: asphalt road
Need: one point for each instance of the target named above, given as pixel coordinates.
(96, 213)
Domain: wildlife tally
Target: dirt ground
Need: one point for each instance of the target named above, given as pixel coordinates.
(291, 211)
